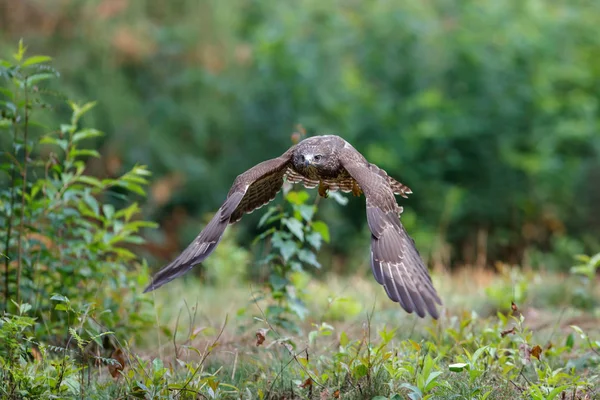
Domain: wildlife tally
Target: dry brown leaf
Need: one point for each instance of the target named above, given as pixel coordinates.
(336, 394)
(513, 306)
(261, 335)
(510, 331)
(35, 353)
(307, 383)
(536, 351)
(115, 369)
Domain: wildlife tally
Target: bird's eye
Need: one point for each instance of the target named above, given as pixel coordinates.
(318, 157)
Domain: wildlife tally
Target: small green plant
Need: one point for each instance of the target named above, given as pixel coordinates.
(584, 294)
(588, 267)
(295, 237)
(512, 286)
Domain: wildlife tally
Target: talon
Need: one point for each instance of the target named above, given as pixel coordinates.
(323, 190)
(356, 191)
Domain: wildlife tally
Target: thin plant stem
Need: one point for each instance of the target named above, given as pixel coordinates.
(7, 241)
(23, 190)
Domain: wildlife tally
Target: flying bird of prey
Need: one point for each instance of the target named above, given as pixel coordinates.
(330, 163)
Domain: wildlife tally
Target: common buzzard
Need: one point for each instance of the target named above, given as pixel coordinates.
(330, 163)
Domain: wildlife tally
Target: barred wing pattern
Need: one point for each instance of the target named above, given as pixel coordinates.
(346, 185)
(395, 261)
(250, 190)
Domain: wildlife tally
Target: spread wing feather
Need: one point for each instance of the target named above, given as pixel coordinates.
(250, 190)
(395, 260)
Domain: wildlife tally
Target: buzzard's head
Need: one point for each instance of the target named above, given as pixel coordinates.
(317, 154)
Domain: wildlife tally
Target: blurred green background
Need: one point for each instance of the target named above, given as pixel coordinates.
(489, 111)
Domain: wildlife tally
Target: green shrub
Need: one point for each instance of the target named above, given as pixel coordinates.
(294, 238)
(67, 236)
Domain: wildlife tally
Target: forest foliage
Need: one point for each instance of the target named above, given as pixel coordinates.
(74, 320)
(489, 111)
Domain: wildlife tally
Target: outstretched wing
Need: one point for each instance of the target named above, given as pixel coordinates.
(250, 190)
(395, 260)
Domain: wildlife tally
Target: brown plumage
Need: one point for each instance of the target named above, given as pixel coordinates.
(330, 163)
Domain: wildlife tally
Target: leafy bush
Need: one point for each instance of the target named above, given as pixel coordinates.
(67, 256)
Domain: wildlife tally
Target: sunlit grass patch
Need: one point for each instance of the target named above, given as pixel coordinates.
(369, 347)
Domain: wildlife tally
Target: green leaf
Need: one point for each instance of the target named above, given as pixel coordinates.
(86, 134)
(89, 180)
(36, 60)
(344, 339)
(91, 202)
(128, 212)
(306, 211)
(295, 227)
(579, 331)
(415, 392)
(386, 335)
(287, 249)
(314, 239)
(157, 364)
(570, 341)
(78, 110)
(108, 210)
(37, 78)
(55, 141)
(359, 371)
(478, 353)
(23, 308)
(556, 391)
(131, 187)
(430, 383)
(298, 197)
(486, 394)
(59, 297)
(266, 216)
(84, 153)
(18, 56)
(308, 257)
(321, 228)
(457, 367)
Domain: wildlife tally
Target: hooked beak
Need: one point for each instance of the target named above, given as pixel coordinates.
(307, 161)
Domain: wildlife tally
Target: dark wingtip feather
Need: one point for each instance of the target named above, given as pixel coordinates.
(193, 255)
(397, 265)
